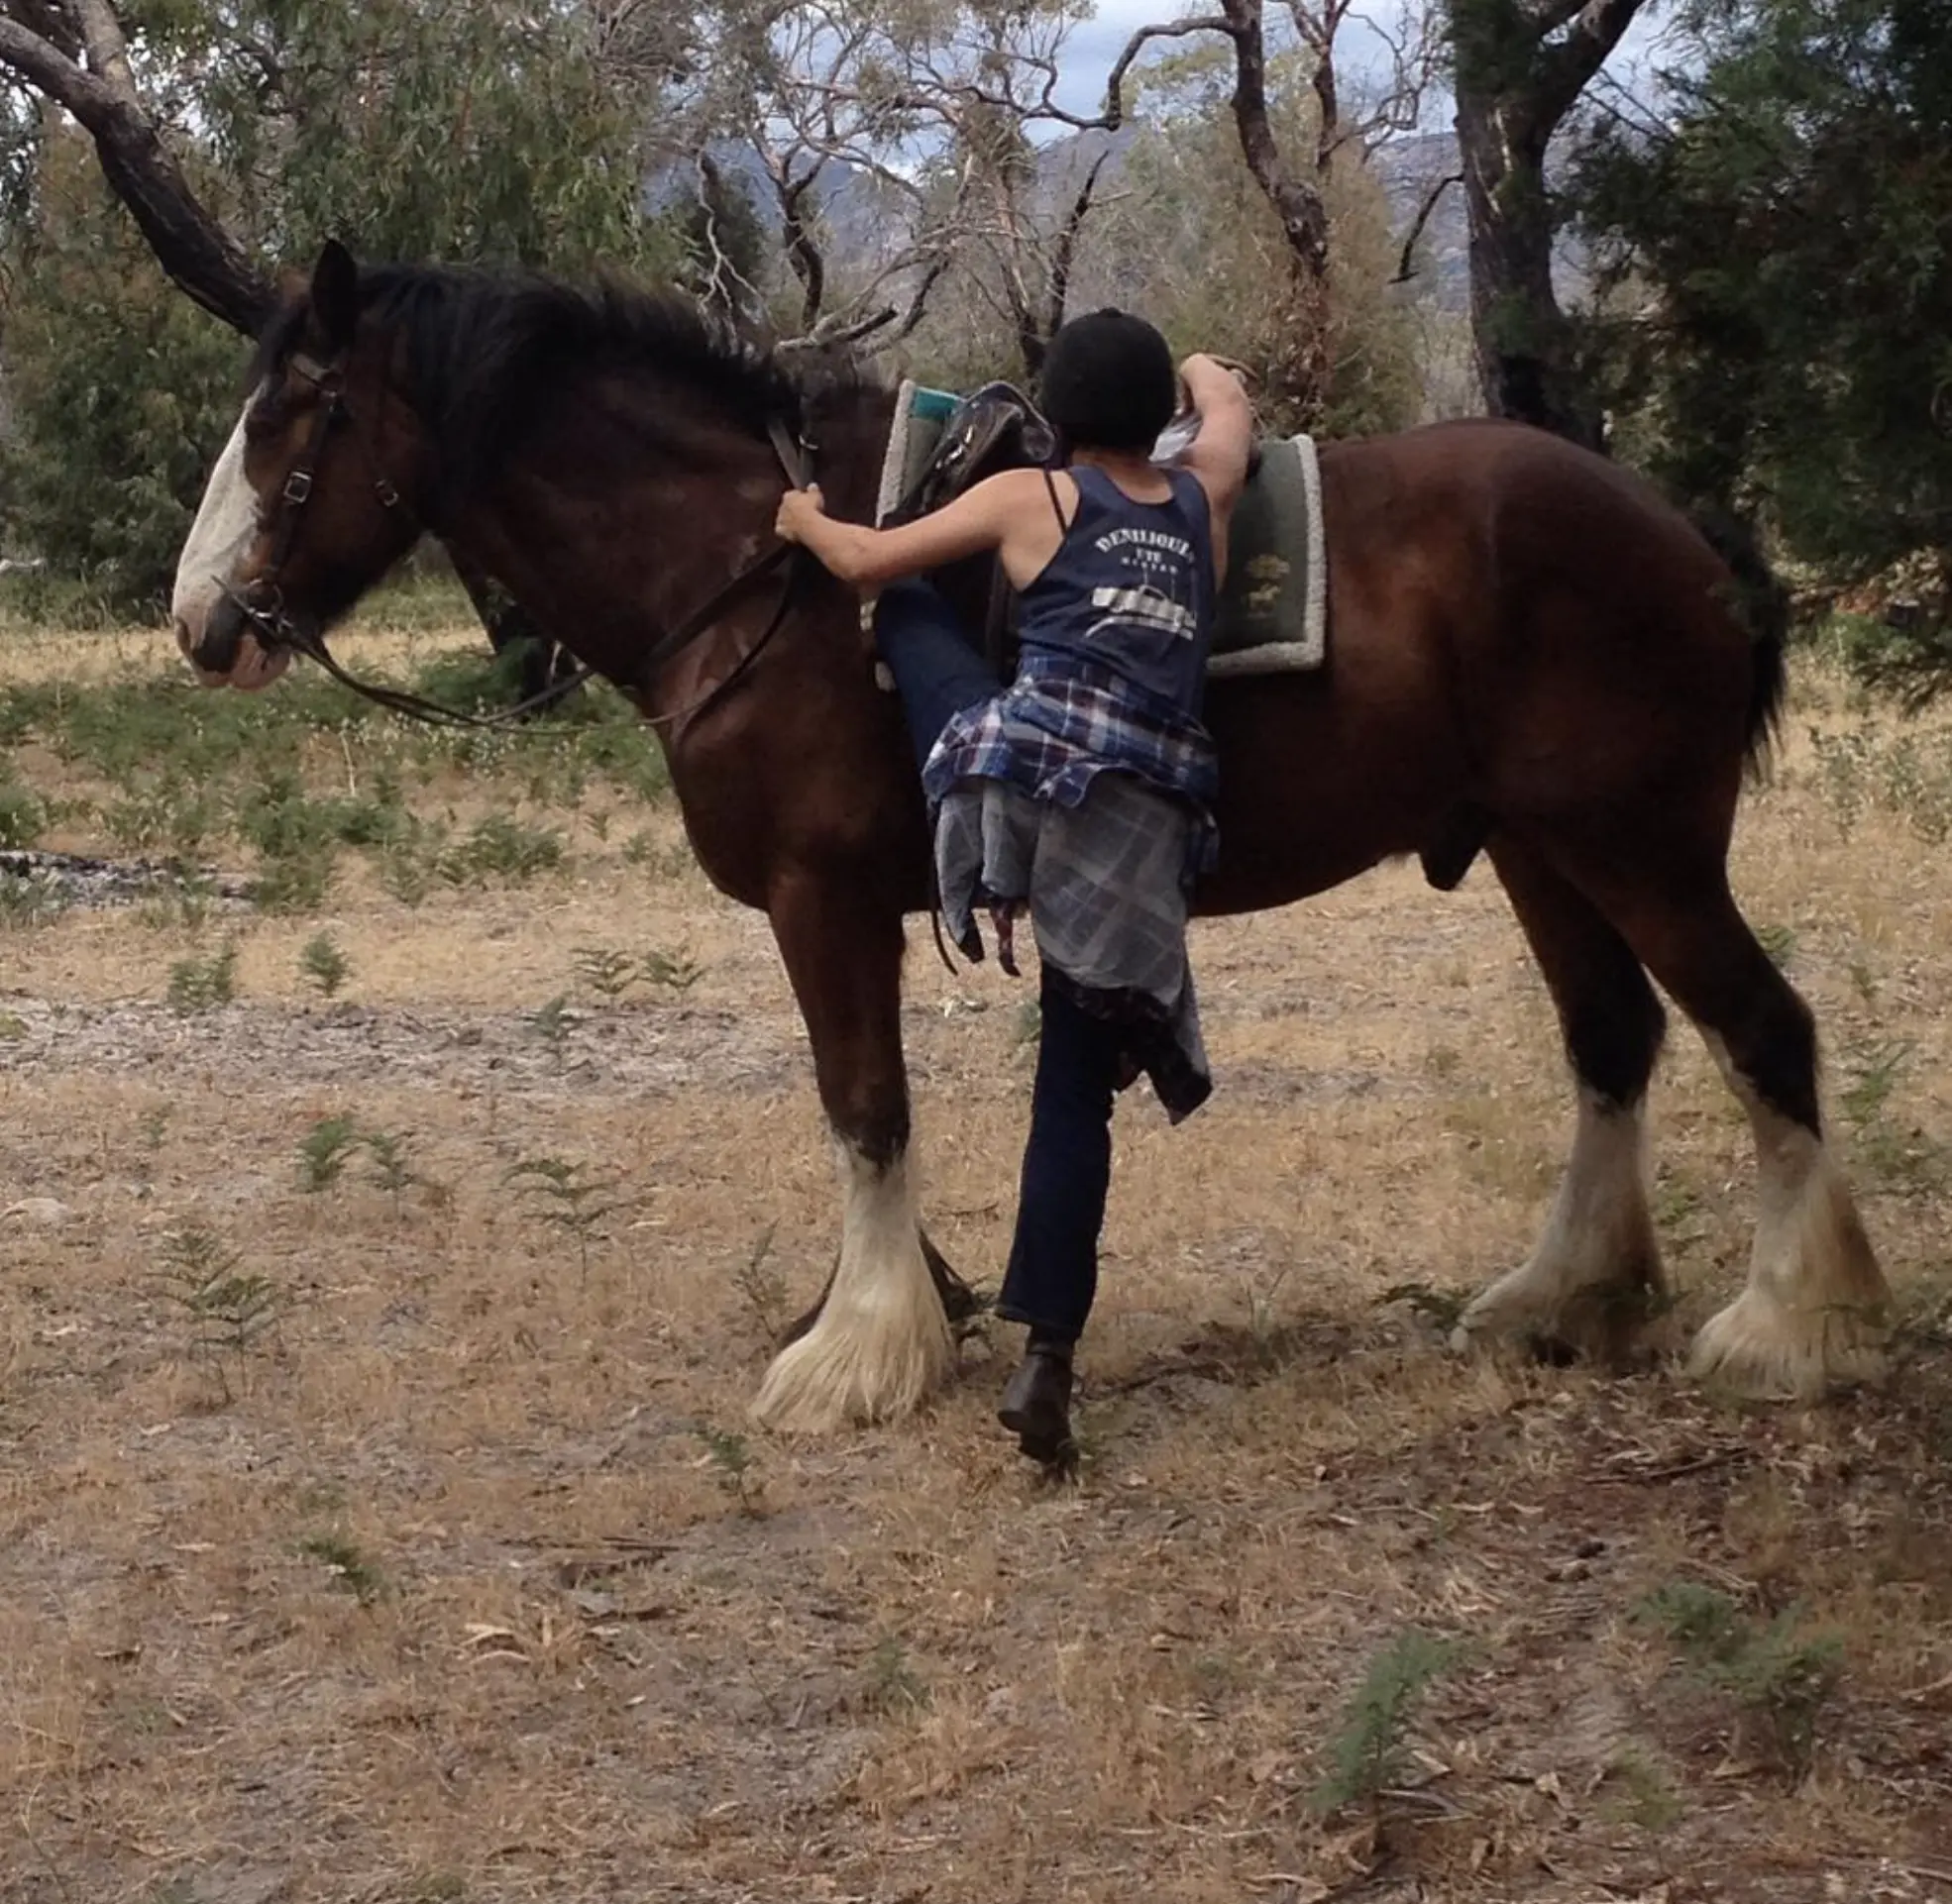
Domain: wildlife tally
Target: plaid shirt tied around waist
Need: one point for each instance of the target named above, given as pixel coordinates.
(1071, 793)
(1061, 725)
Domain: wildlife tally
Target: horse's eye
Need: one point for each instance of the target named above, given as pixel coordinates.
(266, 417)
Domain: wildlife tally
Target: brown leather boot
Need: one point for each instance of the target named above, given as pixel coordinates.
(1037, 1406)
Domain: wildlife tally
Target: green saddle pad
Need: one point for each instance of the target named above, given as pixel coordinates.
(1273, 609)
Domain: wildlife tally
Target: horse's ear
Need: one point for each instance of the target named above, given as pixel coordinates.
(335, 295)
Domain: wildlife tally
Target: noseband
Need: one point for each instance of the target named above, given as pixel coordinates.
(261, 603)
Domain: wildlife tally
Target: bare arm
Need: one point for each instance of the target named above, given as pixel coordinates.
(981, 518)
(1218, 455)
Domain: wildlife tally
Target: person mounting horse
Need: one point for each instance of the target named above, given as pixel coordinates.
(1084, 789)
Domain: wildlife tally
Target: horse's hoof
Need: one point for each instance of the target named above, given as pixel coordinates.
(1596, 1322)
(1758, 1348)
(860, 1362)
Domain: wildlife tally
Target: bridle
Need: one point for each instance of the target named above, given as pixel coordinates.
(261, 603)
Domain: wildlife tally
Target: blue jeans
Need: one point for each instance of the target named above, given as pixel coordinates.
(938, 669)
(1052, 1275)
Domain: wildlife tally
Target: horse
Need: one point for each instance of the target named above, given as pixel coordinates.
(1530, 656)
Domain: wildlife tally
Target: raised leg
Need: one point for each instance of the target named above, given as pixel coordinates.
(880, 1342)
(1596, 1273)
(1813, 1314)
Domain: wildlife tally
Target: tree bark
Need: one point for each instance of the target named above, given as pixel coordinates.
(1296, 199)
(1520, 67)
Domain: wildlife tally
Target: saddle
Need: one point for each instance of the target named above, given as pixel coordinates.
(993, 428)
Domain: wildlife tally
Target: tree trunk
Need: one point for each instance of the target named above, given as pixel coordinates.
(1297, 202)
(1520, 67)
(511, 632)
(1520, 337)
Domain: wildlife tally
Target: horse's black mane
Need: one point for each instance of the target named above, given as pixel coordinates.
(483, 347)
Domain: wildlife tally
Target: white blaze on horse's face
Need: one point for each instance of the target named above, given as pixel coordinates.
(219, 539)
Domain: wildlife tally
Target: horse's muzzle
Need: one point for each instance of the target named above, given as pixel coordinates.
(213, 652)
(228, 652)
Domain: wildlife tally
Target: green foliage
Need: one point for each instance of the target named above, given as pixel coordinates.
(570, 1199)
(202, 985)
(551, 1021)
(1780, 1677)
(387, 1154)
(893, 1684)
(489, 133)
(1900, 1156)
(1641, 1792)
(228, 1308)
(1367, 1755)
(30, 898)
(501, 847)
(610, 973)
(485, 133)
(761, 1285)
(324, 963)
(351, 1572)
(325, 1150)
(731, 1455)
(23, 817)
(1780, 334)
(122, 392)
(606, 970)
(669, 971)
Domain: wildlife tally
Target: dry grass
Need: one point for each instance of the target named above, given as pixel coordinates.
(465, 1578)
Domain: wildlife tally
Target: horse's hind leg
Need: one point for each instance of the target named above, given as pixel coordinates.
(880, 1342)
(1813, 1317)
(1596, 1273)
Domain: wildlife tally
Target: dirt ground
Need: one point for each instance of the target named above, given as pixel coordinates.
(433, 1558)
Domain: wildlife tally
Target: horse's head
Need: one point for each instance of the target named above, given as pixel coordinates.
(315, 496)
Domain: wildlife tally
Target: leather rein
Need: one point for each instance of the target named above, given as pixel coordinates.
(263, 603)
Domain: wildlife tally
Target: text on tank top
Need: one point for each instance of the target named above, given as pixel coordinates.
(1129, 588)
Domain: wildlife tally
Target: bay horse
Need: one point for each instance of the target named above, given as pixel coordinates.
(1530, 654)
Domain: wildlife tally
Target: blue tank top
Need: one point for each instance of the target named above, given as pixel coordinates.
(1130, 589)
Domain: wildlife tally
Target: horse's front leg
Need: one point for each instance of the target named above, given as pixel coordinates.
(960, 1302)
(880, 1342)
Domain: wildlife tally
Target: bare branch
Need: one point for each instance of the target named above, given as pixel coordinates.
(1405, 270)
(1058, 291)
(50, 69)
(1565, 65)
(725, 281)
(1113, 115)
(1304, 217)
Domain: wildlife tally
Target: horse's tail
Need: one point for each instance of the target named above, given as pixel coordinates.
(1759, 601)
